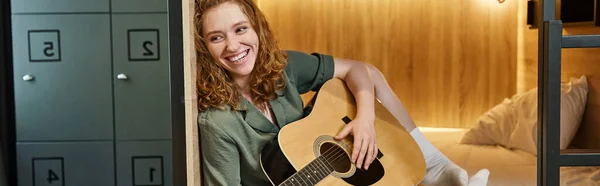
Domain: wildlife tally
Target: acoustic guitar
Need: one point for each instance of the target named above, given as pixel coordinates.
(305, 152)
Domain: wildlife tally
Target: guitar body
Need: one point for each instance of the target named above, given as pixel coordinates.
(305, 152)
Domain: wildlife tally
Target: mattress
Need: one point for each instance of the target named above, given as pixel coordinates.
(507, 166)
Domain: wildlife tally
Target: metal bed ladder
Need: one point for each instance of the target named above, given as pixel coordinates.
(551, 43)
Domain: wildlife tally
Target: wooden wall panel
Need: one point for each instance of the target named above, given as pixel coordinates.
(448, 61)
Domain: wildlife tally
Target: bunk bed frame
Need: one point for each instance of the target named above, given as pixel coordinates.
(551, 42)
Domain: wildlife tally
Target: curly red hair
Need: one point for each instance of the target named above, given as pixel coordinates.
(214, 86)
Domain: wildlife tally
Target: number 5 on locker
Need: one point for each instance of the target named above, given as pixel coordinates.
(143, 45)
(44, 45)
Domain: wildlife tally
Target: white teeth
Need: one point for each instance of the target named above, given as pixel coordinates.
(238, 57)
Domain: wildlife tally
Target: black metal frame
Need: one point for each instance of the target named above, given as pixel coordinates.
(551, 43)
(7, 116)
(177, 92)
(597, 15)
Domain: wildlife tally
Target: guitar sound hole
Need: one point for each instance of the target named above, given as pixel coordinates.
(336, 157)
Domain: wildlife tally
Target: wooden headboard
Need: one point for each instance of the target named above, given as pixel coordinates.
(575, 63)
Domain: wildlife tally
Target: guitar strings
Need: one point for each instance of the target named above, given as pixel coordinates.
(325, 154)
(338, 156)
(329, 152)
(333, 151)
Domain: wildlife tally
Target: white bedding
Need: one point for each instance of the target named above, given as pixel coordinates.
(507, 167)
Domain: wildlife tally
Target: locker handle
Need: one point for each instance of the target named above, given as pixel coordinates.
(122, 76)
(27, 77)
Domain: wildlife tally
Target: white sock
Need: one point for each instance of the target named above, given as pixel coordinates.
(440, 170)
(480, 178)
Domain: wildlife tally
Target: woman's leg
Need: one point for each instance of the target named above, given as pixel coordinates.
(440, 169)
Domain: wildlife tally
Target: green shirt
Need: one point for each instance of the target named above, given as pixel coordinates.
(231, 141)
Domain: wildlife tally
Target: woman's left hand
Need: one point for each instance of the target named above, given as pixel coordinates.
(365, 140)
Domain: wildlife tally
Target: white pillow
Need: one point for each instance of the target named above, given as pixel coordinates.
(513, 123)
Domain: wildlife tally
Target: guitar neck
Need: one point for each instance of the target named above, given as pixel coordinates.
(311, 174)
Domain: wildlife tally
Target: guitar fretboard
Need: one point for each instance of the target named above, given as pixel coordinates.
(311, 174)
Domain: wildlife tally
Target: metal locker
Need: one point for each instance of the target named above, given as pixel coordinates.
(141, 73)
(63, 94)
(66, 163)
(63, 89)
(141, 163)
(142, 91)
(98, 93)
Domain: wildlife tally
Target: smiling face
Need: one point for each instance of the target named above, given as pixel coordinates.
(230, 39)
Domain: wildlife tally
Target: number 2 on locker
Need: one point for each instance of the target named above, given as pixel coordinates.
(143, 44)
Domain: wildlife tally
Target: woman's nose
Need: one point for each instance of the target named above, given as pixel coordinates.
(233, 44)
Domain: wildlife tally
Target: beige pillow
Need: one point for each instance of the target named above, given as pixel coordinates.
(513, 123)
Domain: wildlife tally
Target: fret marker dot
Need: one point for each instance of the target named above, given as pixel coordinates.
(309, 176)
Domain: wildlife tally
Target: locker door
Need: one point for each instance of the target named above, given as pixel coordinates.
(62, 71)
(98, 92)
(142, 86)
(141, 75)
(63, 92)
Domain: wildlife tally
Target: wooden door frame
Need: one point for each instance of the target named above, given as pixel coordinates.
(193, 172)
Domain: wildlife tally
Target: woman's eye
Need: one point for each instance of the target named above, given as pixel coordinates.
(241, 29)
(215, 38)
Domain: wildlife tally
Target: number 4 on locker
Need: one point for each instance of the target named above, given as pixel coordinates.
(143, 45)
(52, 177)
(48, 171)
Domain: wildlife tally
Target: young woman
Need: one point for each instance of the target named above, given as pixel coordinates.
(248, 89)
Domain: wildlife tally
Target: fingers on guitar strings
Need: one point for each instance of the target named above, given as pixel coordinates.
(355, 151)
(370, 156)
(363, 151)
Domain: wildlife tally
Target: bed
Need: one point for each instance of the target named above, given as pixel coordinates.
(504, 138)
(512, 167)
